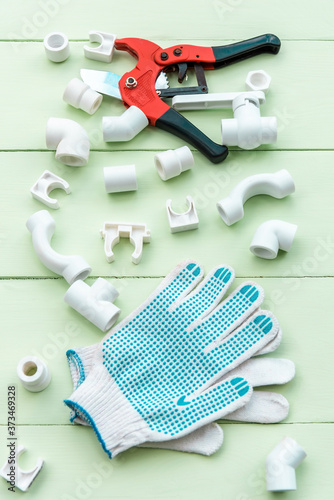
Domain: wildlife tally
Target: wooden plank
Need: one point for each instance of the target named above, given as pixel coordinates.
(84, 211)
(219, 19)
(295, 73)
(77, 468)
(36, 321)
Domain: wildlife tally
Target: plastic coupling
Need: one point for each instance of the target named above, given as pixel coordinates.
(70, 141)
(79, 95)
(72, 267)
(33, 373)
(95, 302)
(271, 236)
(56, 46)
(124, 127)
(120, 179)
(277, 185)
(173, 162)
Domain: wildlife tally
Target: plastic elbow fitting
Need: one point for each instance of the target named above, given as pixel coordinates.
(281, 464)
(124, 127)
(72, 267)
(271, 236)
(248, 129)
(70, 141)
(94, 302)
(278, 185)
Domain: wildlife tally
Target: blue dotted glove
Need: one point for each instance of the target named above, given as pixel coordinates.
(157, 375)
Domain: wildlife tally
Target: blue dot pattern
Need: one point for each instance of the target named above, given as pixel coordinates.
(159, 362)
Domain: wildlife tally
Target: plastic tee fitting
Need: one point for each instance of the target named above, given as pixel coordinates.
(33, 374)
(281, 464)
(79, 95)
(248, 129)
(172, 163)
(271, 236)
(70, 141)
(71, 267)
(94, 302)
(278, 185)
(124, 127)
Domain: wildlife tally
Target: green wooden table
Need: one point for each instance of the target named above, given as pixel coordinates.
(299, 285)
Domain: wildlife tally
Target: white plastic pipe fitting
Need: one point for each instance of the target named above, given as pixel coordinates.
(258, 80)
(271, 236)
(120, 179)
(46, 183)
(79, 95)
(71, 267)
(278, 185)
(23, 478)
(281, 464)
(33, 373)
(124, 127)
(173, 162)
(95, 302)
(105, 50)
(70, 141)
(248, 129)
(56, 47)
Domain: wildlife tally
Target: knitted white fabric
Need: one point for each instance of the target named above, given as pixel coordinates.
(159, 374)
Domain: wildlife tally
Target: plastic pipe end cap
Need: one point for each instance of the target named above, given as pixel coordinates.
(56, 46)
(258, 80)
(77, 269)
(120, 179)
(79, 95)
(172, 163)
(230, 210)
(33, 373)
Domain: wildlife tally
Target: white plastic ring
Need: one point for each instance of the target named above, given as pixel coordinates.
(33, 373)
(56, 46)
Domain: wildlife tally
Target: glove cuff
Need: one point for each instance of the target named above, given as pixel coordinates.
(100, 402)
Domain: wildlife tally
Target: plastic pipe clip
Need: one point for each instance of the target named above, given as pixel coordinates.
(248, 129)
(124, 127)
(70, 141)
(258, 80)
(73, 267)
(95, 302)
(278, 185)
(47, 183)
(281, 464)
(79, 95)
(271, 236)
(120, 179)
(33, 374)
(56, 47)
(23, 478)
(172, 163)
(113, 231)
(105, 50)
(184, 221)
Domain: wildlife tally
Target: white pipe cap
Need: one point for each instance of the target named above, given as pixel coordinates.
(56, 46)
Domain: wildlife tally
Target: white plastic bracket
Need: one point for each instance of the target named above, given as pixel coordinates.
(184, 221)
(47, 183)
(22, 478)
(105, 50)
(212, 101)
(137, 233)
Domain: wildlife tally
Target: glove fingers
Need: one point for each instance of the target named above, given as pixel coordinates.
(265, 371)
(263, 408)
(231, 313)
(205, 441)
(179, 282)
(206, 295)
(273, 345)
(242, 343)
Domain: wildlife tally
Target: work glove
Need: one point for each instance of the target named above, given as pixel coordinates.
(159, 374)
(264, 406)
